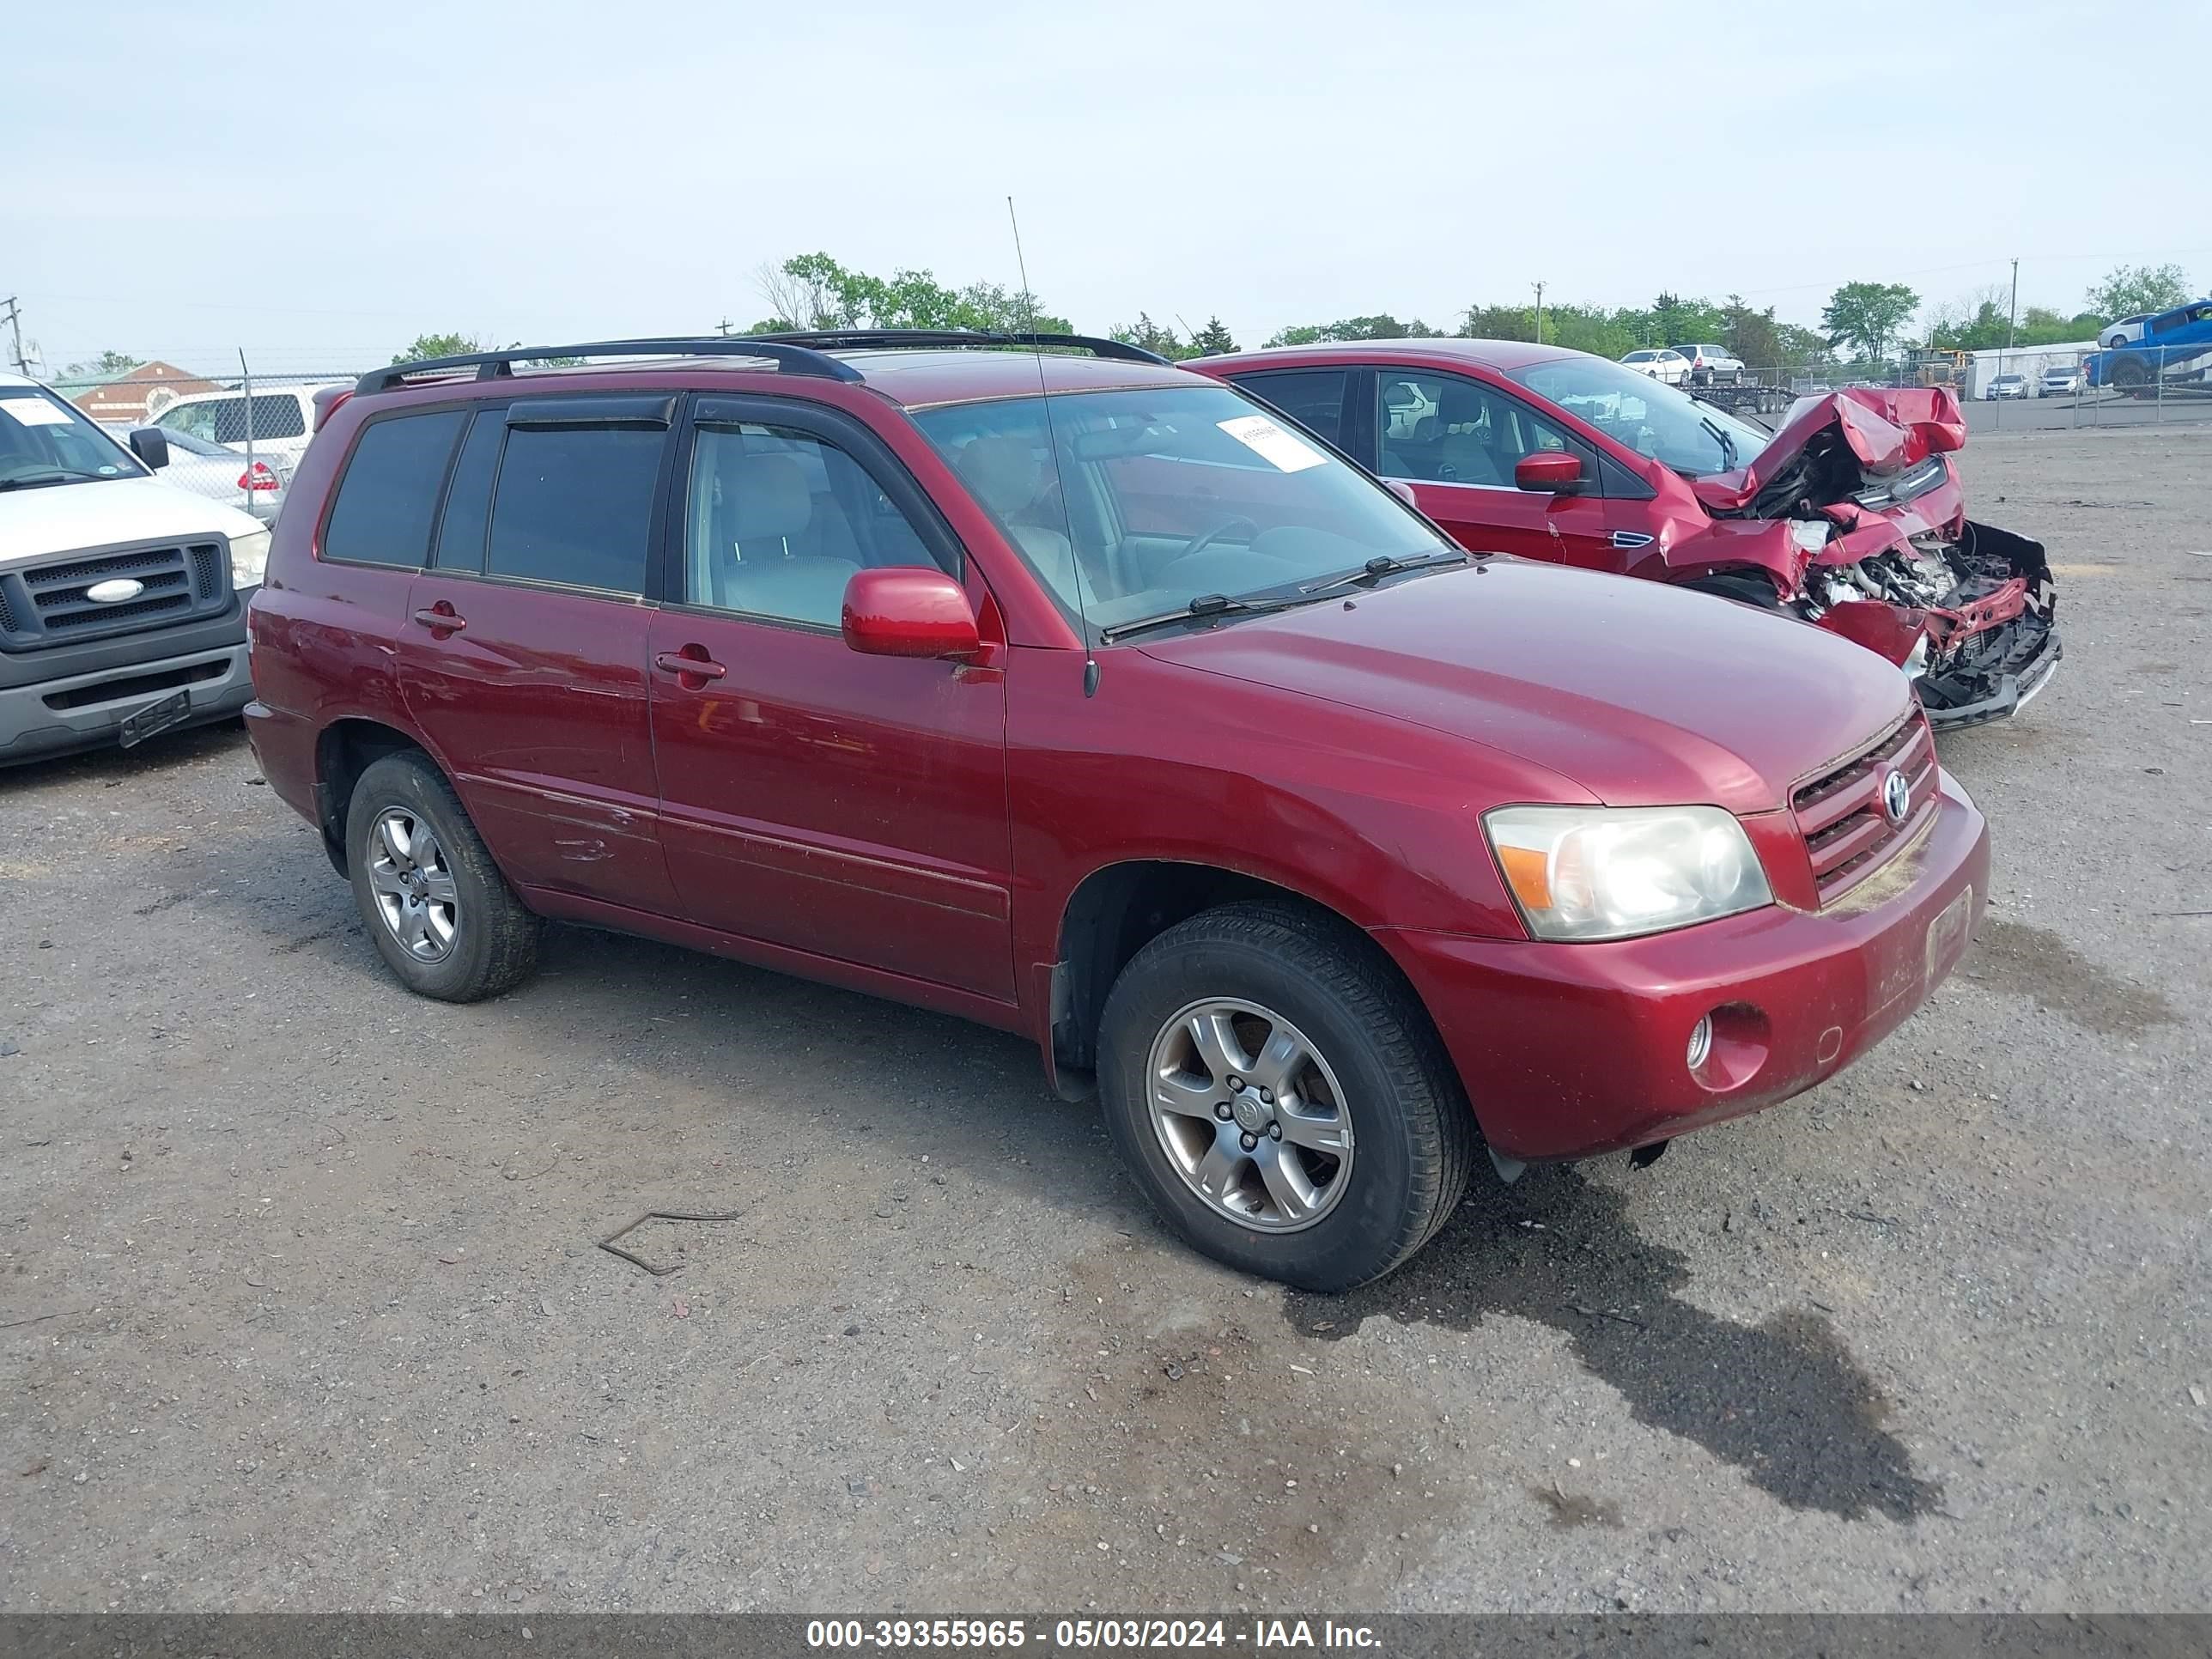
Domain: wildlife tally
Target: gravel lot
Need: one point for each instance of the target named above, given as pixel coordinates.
(303, 1307)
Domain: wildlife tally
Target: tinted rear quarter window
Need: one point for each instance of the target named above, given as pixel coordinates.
(468, 499)
(390, 491)
(1313, 398)
(574, 506)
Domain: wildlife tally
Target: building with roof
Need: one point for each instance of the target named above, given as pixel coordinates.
(135, 395)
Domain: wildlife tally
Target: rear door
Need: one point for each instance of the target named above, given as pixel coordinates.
(841, 805)
(524, 660)
(1455, 440)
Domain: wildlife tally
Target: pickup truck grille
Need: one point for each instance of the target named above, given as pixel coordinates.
(51, 604)
(1848, 832)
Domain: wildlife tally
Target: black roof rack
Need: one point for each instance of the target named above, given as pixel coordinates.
(836, 339)
(788, 356)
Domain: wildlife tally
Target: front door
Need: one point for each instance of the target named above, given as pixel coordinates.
(847, 806)
(524, 661)
(1456, 440)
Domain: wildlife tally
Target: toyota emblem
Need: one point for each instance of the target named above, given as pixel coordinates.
(1896, 797)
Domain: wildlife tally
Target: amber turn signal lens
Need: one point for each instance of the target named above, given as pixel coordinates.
(1526, 871)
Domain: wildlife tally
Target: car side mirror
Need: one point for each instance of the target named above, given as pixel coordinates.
(1403, 491)
(150, 445)
(1550, 472)
(909, 610)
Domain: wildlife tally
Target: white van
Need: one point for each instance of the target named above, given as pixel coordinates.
(122, 598)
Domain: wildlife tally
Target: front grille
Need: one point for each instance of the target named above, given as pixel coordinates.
(1848, 832)
(45, 604)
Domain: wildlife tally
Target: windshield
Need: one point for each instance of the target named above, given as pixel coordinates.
(43, 441)
(1648, 416)
(1164, 495)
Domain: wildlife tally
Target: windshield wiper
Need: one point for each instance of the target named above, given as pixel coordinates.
(38, 480)
(1205, 605)
(1384, 564)
(1719, 434)
(1222, 605)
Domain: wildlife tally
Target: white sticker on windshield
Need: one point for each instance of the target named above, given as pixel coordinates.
(1271, 444)
(35, 411)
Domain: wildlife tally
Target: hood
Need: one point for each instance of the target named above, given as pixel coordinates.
(36, 524)
(1641, 693)
(1830, 444)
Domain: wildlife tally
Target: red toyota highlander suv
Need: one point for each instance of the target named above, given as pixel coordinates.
(1078, 694)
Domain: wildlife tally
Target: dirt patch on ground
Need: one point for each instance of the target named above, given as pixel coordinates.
(2035, 962)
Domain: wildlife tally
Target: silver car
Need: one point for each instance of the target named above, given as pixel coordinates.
(221, 472)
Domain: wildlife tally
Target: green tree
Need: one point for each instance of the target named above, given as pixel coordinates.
(1382, 326)
(814, 291)
(1498, 323)
(440, 345)
(1213, 340)
(1869, 316)
(1803, 346)
(1687, 322)
(106, 365)
(1751, 335)
(1156, 337)
(2137, 291)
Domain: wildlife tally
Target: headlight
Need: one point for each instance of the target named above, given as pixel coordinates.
(1588, 872)
(249, 559)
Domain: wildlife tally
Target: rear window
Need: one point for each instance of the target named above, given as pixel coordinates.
(223, 420)
(574, 506)
(389, 494)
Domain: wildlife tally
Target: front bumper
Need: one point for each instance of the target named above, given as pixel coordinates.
(1968, 697)
(1571, 1050)
(59, 700)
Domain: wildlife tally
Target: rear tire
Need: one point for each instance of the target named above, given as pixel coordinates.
(1375, 1077)
(442, 916)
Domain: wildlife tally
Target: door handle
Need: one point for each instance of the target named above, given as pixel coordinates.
(445, 621)
(683, 667)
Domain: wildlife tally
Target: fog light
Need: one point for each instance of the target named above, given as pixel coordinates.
(1701, 1042)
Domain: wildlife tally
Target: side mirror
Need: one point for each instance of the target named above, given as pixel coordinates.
(1549, 471)
(150, 445)
(1403, 491)
(909, 610)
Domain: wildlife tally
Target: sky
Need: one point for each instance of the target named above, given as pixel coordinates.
(316, 184)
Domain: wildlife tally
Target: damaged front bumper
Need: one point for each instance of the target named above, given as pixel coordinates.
(1993, 675)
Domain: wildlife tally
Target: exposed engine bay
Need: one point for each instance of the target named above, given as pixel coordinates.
(1855, 513)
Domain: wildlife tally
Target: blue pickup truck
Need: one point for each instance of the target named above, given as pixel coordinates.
(2169, 351)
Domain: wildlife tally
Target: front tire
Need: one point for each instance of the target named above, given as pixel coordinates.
(442, 916)
(1281, 1098)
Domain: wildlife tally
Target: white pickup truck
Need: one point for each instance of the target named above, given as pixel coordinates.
(122, 598)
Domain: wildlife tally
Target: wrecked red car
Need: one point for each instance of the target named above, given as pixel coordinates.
(1850, 516)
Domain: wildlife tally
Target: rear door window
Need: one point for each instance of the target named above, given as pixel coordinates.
(574, 504)
(468, 498)
(1313, 398)
(389, 494)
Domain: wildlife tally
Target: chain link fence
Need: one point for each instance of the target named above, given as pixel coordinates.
(234, 438)
(2024, 388)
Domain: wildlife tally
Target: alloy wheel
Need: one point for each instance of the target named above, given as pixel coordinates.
(1250, 1115)
(413, 884)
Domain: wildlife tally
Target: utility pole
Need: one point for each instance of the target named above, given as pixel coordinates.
(16, 322)
(1540, 313)
(2014, 311)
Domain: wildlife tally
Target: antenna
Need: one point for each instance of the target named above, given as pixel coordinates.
(1052, 448)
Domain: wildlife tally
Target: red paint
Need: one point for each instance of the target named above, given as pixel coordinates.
(838, 804)
(1673, 535)
(1558, 474)
(901, 612)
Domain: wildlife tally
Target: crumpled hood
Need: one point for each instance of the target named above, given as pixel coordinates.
(1641, 693)
(36, 524)
(1886, 429)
